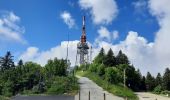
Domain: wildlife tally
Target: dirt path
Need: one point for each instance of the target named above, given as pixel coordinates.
(150, 96)
(96, 92)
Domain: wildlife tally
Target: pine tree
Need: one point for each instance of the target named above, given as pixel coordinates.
(158, 79)
(110, 59)
(166, 79)
(121, 58)
(143, 84)
(150, 82)
(100, 57)
(6, 62)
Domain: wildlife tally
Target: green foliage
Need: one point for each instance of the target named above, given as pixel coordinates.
(158, 79)
(121, 58)
(166, 79)
(31, 78)
(4, 98)
(62, 85)
(112, 75)
(100, 57)
(110, 59)
(118, 90)
(101, 70)
(93, 67)
(6, 62)
(158, 89)
(150, 82)
(56, 67)
(133, 78)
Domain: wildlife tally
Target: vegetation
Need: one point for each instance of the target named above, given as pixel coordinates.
(31, 78)
(108, 70)
(116, 89)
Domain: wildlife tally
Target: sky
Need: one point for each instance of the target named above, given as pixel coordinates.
(37, 30)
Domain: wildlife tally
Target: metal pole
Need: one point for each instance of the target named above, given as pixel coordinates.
(79, 95)
(89, 95)
(104, 96)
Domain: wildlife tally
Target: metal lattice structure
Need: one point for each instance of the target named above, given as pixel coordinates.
(82, 47)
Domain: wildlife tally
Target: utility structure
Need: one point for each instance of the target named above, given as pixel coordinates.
(82, 47)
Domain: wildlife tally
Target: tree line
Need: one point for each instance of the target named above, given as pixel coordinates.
(111, 67)
(32, 78)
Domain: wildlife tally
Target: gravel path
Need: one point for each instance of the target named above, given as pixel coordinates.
(96, 92)
(150, 96)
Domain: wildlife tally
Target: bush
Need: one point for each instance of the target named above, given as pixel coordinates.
(93, 67)
(62, 85)
(101, 70)
(157, 89)
(112, 75)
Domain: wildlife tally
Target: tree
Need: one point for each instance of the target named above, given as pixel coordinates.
(112, 75)
(100, 57)
(101, 70)
(110, 59)
(150, 82)
(133, 79)
(143, 84)
(6, 62)
(20, 63)
(166, 79)
(158, 79)
(121, 58)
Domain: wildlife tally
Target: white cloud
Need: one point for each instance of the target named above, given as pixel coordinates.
(105, 34)
(140, 5)
(102, 11)
(147, 56)
(67, 18)
(115, 35)
(161, 10)
(9, 28)
(41, 57)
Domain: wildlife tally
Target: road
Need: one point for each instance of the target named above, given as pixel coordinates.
(150, 96)
(43, 98)
(96, 92)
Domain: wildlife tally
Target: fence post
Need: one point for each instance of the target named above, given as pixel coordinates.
(104, 96)
(79, 95)
(89, 95)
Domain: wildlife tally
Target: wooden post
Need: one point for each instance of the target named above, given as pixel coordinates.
(89, 95)
(104, 96)
(79, 95)
(124, 72)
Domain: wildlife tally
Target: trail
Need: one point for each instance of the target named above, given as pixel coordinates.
(150, 96)
(96, 92)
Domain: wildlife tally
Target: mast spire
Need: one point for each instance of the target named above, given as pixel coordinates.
(83, 36)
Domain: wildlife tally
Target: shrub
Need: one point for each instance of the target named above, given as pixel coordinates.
(157, 89)
(62, 85)
(101, 70)
(93, 67)
(112, 75)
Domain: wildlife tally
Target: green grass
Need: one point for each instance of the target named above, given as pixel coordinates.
(118, 90)
(4, 98)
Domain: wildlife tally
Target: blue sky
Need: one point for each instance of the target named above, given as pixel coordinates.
(43, 26)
